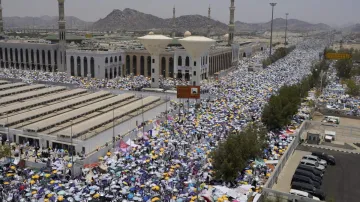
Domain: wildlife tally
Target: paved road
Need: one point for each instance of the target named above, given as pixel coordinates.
(284, 179)
(341, 182)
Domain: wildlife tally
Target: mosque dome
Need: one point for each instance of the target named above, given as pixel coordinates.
(187, 33)
(151, 33)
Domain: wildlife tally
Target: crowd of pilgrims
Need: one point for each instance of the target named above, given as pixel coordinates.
(171, 162)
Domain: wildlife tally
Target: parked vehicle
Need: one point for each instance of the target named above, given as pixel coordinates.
(305, 179)
(309, 189)
(308, 174)
(311, 169)
(303, 194)
(329, 158)
(313, 164)
(315, 158)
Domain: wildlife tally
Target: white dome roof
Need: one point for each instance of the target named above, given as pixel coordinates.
(226, 37)
(187, 33)
(151, 33)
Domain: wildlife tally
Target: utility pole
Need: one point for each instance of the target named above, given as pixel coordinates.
(72, 155)
(113, 139)
(272, 22)
(286, 28)
(142, 113)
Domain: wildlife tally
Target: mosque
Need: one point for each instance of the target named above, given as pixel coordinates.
(95, 62)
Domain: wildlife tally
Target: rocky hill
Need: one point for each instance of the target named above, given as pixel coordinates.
(130, 19)
(44, 22)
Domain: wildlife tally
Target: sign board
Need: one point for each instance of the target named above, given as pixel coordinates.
(188, 92)
(88, 36)
(337, 56)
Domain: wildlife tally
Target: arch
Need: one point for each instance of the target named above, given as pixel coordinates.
(179, 74)
(262, 48)
(111, 73)
(115, 75)
(27, 56)
(206, 60)
(134, 69)
(171, 67)
(115, 59)
(111, 59)
(78, 66)
(92, 67)
(72, 66)
(244, 55)
(106, 74)
(187, 61)
(106, 60)
(43, 57)
(16, 55)
(11, 55)
(149, 65)
(120, 58)
(21, 55)
(55, 57)
(163, 67)
(179, 61)
(85, 67)
(6, 58)
(32, 57)
(119, 71)
(127, 65)
(49, 57)
(1, 57)
(142, 65)
(187, 75)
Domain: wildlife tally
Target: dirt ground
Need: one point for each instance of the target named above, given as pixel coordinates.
(343, 121)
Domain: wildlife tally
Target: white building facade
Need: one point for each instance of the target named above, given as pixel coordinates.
(94, 64)
(30, 56)
(183, 69)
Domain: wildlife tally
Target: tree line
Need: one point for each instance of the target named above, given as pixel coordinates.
(279, 53)
(348, 69)
(283, 105)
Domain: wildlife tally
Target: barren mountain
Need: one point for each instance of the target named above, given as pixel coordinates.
(131, 20)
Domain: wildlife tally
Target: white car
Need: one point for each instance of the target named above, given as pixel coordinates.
(303, 194)
(315, 158)
(313, 164)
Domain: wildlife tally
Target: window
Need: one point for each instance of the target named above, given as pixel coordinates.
(153, 60)
(153, 70)
(153, 80)
(194, 83)
(194, 73)
(195, 63)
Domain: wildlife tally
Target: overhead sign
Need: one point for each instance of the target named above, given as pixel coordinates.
(88, 36)
(337, 56)
(188, 92)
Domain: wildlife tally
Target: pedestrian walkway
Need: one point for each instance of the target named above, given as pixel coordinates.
(284, 179)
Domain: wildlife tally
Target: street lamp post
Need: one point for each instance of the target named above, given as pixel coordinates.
(272, 22)
(72, 151)
(286, 28)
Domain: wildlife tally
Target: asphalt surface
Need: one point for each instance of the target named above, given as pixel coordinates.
(342, 181)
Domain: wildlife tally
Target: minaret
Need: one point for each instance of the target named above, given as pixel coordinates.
(209, 26)
(174, 24)
(231, 24)
(1, 20)
(62, 36)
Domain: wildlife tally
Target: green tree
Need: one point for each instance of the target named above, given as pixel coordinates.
(232, 155)
(352, 88)
(5, 151)
(344, 68)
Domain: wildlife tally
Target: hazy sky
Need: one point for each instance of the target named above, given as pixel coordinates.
(332, 12)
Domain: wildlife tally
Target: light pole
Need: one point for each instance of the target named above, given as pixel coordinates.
(286, 28)
(72, 155)
(113, 138)
(272, 22)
